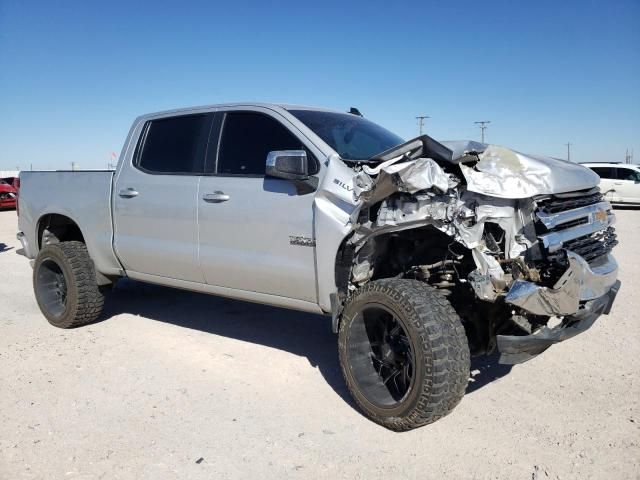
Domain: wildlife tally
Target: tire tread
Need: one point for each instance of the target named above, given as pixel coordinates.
(89, 300)
(444, 344)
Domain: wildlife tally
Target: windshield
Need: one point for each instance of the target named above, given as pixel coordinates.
(353, 137)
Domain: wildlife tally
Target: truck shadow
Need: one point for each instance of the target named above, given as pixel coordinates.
(484, 370)
(303, 334)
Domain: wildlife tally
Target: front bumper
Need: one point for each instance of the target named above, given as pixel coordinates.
(581, 282)
(517, 349)
(583, 293)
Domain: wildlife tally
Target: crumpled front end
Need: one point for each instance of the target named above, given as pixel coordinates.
(529, 239)
(575, 237)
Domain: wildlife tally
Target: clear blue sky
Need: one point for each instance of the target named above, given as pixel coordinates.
(73, 75)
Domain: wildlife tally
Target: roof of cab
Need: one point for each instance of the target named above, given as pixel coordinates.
(273, 106)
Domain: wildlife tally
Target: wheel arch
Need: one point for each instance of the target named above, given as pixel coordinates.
(435, 242)
(63, 227)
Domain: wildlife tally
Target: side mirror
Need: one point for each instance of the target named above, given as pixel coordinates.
(288, 164)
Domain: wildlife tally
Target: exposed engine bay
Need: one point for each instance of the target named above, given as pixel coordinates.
(518, 243)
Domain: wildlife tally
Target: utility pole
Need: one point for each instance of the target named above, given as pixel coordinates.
(628, 157)
(568, 144)
(483, 126)
(421, 119)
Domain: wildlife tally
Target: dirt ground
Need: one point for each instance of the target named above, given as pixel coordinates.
(175, 385)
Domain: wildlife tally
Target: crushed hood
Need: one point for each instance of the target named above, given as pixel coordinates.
(501, 172)
(497, 171)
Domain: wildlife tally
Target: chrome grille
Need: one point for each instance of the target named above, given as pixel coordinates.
(593, 246)
(577, 221)
(568, 201)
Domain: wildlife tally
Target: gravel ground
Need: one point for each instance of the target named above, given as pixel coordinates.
(175, 384)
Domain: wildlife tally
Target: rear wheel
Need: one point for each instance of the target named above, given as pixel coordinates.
(403, 352)
(64, 281)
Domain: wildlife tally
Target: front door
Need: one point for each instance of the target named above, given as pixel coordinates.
(256, 232)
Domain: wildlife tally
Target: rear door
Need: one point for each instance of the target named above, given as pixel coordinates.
(627, 184)
(156, 228)
(256, 232)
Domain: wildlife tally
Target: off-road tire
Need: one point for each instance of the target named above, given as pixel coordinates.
(440, 346)
(84, 300)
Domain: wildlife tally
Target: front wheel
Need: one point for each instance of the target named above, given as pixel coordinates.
(64, 281)
(403, 352)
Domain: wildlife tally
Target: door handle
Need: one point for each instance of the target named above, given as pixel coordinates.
(215, 197)
(128, 193)
(617, 183)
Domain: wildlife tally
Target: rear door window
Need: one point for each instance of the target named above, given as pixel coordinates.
(174, 145)
(604, 172)
(247, 138)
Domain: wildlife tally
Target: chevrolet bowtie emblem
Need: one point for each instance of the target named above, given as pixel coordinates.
(600, 215)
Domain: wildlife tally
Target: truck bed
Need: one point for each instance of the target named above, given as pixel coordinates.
(82, 195)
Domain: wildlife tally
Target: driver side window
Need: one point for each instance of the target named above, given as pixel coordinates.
(247, 138)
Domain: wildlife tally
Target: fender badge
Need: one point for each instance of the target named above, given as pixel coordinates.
(343, 185)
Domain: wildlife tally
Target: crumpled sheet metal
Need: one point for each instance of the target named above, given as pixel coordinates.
(464, 150)
(504, 173)
(439, 203)
(494, 210)
(517, 349)
(394, 176)
(580, 282)
(397, 210)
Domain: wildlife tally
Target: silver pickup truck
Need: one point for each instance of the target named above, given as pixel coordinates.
(423, 252)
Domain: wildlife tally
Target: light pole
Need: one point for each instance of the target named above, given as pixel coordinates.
(483, 126)
(421, 119)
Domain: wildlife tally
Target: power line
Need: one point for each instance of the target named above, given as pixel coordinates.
(483, 126)
(421, 119)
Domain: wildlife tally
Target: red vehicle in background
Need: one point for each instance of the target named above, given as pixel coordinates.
(8, 192)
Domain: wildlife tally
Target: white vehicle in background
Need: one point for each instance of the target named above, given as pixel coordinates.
(619, 182)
